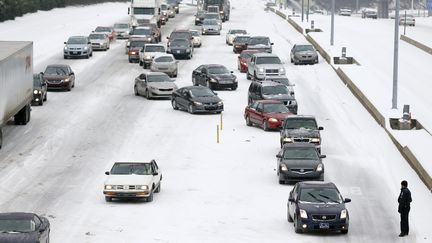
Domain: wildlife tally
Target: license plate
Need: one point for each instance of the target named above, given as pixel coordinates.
(74, 52)
(178, 51)
(324, 226)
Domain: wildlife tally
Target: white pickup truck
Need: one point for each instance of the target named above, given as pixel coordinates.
(148, 52)
(133, 180)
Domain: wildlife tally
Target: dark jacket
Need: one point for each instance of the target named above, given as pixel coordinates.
(404, 199)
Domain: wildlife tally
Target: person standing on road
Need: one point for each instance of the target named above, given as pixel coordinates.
(404, 201)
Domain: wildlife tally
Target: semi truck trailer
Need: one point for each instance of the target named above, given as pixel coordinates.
(16, 82)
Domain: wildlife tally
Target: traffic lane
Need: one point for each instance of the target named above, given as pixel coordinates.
(363, 141)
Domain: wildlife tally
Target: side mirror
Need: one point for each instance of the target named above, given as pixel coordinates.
(292, 93)
(89, 43)
(167, 52)
(107, 173)
(347, 200)
(72, 73)
(167, 37)
(320, 128)
(278, 156)
(215, 93)
(291, 200)
(65, 42)
(155, 174)
(41, 73)
(272, 43)
(323, 156)
(231, 71)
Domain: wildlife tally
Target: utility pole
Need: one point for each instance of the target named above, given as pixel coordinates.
(395, 57)
(332, 23)
(307, 13)
(302, 8)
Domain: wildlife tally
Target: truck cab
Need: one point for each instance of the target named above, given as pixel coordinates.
(145, 11)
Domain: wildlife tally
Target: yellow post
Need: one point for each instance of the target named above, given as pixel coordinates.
(221, 121)
(217, 133)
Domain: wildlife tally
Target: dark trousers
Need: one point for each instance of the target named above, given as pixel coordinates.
(404, 220)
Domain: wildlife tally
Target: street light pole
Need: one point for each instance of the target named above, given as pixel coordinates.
(302, 8)
(395, 57)
(307, 12)
(332, 23)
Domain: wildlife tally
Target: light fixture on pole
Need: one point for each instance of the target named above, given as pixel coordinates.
(332, 23)
(395, 57)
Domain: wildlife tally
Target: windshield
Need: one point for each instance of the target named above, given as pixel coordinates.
(97, 36)
(141, 32)
(297, 123)
(241, 39)
(180, 35)
(246, 55)
(275, 108)
(268, 60)
(103, 29)
(274, 90)
(121, 26)
(164, 7)
(56, 71)
(131, 169)
(213, 2)
(77, 40)
(238, 32)
(148, 11)
(320, 195)
(260, 40)
(180, 43)
(154, 49)
(304, 48)
(201, 93)
(17, 225)
(158, 78)
(164, 59)
(137, 43)
(210, 22)
(218, 70)
(212, 16)
(195, 33)
(301, 154)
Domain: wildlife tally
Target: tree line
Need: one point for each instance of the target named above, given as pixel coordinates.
(9, 9)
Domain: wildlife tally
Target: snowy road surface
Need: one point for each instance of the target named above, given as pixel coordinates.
(225, 192)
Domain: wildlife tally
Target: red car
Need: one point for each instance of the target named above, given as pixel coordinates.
(244, 58)
(109, 31)
(269, 114)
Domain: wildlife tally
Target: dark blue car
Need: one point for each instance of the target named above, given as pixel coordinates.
(317, 206)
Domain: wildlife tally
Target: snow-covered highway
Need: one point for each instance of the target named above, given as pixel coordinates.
(225, 192)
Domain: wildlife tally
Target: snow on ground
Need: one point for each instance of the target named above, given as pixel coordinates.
(225, 192)
(370, 42)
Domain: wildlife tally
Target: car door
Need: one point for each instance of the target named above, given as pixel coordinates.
(258, 114)
(41, 229)
(183, 100)
(158, 177)
(293, 205)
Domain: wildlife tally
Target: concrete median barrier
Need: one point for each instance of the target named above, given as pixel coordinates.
(417, 44)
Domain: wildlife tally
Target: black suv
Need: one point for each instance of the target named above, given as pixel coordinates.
(317, 206)
(39, 89)
(269, 90)
(301, 129)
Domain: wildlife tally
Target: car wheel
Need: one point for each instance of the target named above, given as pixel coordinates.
(41, 102)
(175, 74)
(158, 188)
(194, 81)
(281, 182)
(65, 57)
(147, 94)
(248, 77)
(321, 178)
(130, 60)
(136, 91)
(345, 231)
(234, 88)
(73, 84)
(108, 199)
(289, 218)
(141, 63)
(174, 104)
(292, 60)
(150, 198)
(46, 97)
(296, 226)
(255, 77)
(248, 121)
(190, 109)
(265, 126)
(69, 88)
(91, 54)
(88, 56)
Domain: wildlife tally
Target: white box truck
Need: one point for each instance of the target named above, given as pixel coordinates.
(145, 11)
(16, 82)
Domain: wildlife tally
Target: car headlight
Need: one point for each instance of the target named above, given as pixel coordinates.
(288, 140)
(282, 70)
(343, 214)
(261, 70)
(65, 48)
(315, 140)
(273, 120)
(147, 57)
(197, 19)
(149, 39)
(188, 50)
(213, 80)
(143, 187)
(132, 53)
(284, 167)
(319, 168)
(108, 187)
(66, 80)
(197, 103)
(35, 91)
(303, 214)
(220, 103)
(85, 48)
(153, 88)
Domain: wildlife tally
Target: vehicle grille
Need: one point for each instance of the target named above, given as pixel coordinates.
(324, 217)
(308, 57)
(74, 49)
(272, 71)
(126, 187)
(302, 170)
(165, 89)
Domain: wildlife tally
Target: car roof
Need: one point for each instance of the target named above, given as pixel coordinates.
(156, 73)
(194, 87)
(155, 45)
(265, 54)
(163, 55)
(260, 36)
(300, 116)
(298, 145)
(269, 101)
(179, 30)
(312, 184)
(16, 215)
(78, 36)
(214, 65)
(134, 162)
(59, 65)
(269, 83)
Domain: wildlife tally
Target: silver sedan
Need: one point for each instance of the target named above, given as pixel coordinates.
(165, 63)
